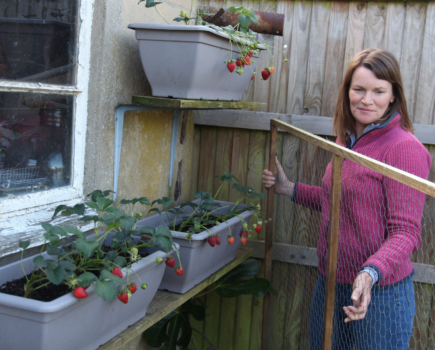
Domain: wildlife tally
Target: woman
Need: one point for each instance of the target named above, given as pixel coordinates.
(380, 219)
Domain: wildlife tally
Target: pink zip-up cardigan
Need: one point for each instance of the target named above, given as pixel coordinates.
(380, 219)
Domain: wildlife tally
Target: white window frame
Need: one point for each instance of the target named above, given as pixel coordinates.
(72, 194)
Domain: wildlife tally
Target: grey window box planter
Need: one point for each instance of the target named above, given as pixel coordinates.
(198, 258)
(68, 323)
(188, 62)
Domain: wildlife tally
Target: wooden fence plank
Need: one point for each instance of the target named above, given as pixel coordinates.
(298, 56)
(195, 160)
(411, 52)
(257, 317)
(316, 58)
(207, 156)
(223, 162)
(334, 56)
(394, 27)
(355, 31)
(279, 83)
(425, 102)
(375, 25)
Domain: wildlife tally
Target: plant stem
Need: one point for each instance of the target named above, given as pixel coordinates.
(161, 15)
(203, 335)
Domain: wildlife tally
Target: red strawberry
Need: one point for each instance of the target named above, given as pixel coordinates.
(243, 234)
(80, 293)
(244, 240)
(231, 66)
(117, 272)
(230, 240)
(247, 60)
(239, 63)
(212, 240)
(170, 262)
(86, 287)
(179, 271)
(265, 74)
(271, 69)
(123, 297)
(250, 54)
(132, 288)
(258, 228)
(253, 76)
(218, 240)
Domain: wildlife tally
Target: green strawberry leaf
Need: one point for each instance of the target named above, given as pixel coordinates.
(46, 227)
(59, 231)
(23, 244)
(107, 275)
(87, 247)
(163, 238)
(104, 203)
(120, 261)
(41, 261)
(106, 290)
(186, 332)
(92, 205)
(86, 278)
(78, 209)
(55, 251)
(252, 16)
(67, 265)
(52, 238)
(55, 274)
(75, 231)
(228, 178)
(256, 286)
(87, 218)
(127, 222)
(173, 331)
(244, 21)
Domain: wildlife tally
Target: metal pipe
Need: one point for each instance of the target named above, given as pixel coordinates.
(268, 23)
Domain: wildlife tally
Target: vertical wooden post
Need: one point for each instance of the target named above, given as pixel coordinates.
(269, 238)
(331, 268)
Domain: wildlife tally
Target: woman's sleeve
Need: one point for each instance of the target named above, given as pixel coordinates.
(308, 196)
(404, 210)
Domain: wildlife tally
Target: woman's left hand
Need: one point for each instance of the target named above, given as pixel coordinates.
(361, 297)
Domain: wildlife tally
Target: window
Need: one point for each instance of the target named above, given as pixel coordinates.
(44, 72)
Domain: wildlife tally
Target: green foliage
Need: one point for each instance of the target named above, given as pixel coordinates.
(175, 330)
(82, 261)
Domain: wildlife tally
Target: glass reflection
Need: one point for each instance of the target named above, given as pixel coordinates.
(35, 142)
(38, 40)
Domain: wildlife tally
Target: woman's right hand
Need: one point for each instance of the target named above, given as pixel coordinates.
(280, 180)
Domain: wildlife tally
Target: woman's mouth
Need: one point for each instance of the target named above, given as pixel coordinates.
(365, 110)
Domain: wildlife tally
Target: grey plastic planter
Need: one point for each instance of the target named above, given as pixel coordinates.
(68, 323)
(188, 62)
(198, 258)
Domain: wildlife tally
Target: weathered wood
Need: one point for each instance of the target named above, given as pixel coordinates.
(257, 318)
(306, 256)
(298, 56)
(166, 302)
(334, 56)
(223, 162)
(425, 102)
(279, 81)
(331, 262)
(375, 25)
(355, 31)
(206, 159)
(195, 161)
(394, 27)
(269, 237)
(318, 43)
(401, 176)
(411, 51)
(192, 104)
(261, 121)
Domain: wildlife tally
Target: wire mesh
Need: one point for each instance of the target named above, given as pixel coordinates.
(382, 223)
(20, 178)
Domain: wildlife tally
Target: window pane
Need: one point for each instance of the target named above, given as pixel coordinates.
(38, 40)
(35, 142)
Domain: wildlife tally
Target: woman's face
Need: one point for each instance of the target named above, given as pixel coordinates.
(369, 98)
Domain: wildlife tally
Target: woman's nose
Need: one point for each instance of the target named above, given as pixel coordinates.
(367, 99)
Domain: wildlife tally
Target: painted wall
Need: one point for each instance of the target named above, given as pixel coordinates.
(117, 75)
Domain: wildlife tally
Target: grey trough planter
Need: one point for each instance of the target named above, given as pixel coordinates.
(67, 322)
(188, 62)
(198, 258)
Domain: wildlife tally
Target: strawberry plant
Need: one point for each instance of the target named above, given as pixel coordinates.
(204, 215)
(77, 261)
(239, 35)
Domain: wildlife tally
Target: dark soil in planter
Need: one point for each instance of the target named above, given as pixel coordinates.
(208, 226)
(49, 292)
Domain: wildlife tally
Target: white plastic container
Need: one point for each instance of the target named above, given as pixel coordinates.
(186, 61)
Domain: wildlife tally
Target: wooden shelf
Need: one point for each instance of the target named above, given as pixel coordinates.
(193, 104)
(166, 302)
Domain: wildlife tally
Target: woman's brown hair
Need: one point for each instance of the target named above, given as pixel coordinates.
(385, 66)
